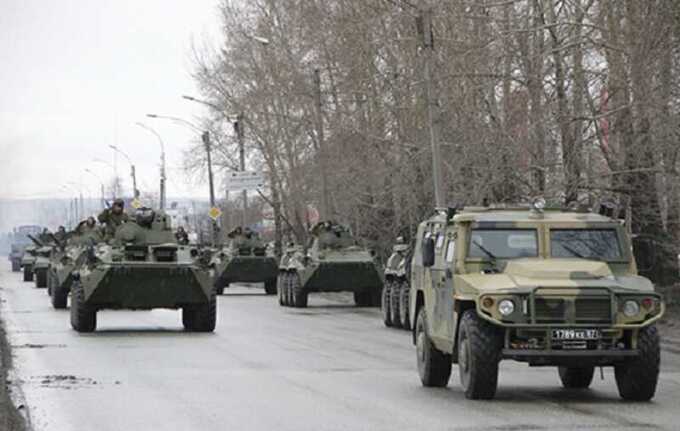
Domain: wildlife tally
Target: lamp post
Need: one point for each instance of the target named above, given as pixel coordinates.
(101, 183)
(205, 137)
(163, 179)
(206, 140)
(115, 178)
(135, 192)
(240, 134)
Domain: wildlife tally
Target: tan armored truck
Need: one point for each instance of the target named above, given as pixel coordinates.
(545, 287)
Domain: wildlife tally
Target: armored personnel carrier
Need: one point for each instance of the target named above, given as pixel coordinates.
(19, 241)
(27, 261)
(245, 258)
(140, 269)
(395, 293)
(41, 266)
(68, 255)
(546, 287)
(333, 263)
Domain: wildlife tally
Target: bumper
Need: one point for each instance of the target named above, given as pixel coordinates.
(569, 357)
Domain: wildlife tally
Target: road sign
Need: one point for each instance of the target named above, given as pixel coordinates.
(244, 180)
(136, 203)
(214, 213)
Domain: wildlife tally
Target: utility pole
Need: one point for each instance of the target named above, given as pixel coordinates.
(426, 35)
(135, 192)
(206, 140)
(160, 140)
(325, 209)
(238, 128)
(162, 197)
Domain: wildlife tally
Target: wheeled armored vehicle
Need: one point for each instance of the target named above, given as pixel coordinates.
(27, 261)
(245, 258)
(395, 293)
(19, 241)
(546, 287)
(333, 263)
(140, 269)
(67, 256)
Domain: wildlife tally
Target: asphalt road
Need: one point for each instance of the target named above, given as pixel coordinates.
(329, 367)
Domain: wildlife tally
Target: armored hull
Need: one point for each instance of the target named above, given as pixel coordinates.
(246, 269)
(41, 265)
(143, 286)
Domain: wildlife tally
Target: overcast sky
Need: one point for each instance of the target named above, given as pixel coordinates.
(75, 75)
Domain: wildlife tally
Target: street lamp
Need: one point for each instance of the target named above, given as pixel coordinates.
(238, 122)
(160, 140)
(115, 178)
(205, 137)
(180, 121)
(101, 183)
(135, 192)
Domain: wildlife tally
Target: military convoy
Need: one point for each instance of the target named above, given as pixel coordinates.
(548, 287)
(246, 259)
(545, 287)
(333, 263)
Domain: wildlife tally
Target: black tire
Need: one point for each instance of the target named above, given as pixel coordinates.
(50, 282)
(28, 273)
(404, 302)
(41, 278)
(363, 299)
(200, 318)
(479, 352)
(281, 291)
(16, 265)
(434, 366)
(270, 287)
(58, 294)
(636, 379)
(394, 300)
(83, 317)
(290, 298)
(386, 304)
(576, 377)
(300, 296)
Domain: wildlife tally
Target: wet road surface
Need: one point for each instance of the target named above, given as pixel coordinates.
(328, 367)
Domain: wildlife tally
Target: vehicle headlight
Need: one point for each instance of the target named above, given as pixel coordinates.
(631, 308)
(506, 307)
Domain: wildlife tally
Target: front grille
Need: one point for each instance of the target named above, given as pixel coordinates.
(550, 310)
(597, 310)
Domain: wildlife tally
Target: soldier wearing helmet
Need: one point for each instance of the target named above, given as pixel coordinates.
(113, 217)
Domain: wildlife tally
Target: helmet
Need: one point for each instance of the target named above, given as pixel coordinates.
(119, 202)
(144, 216)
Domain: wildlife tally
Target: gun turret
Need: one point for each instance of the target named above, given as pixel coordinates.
(35, 241)
(60, 244)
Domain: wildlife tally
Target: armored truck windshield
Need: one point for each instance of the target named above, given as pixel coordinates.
(503, 243)
(598, 244)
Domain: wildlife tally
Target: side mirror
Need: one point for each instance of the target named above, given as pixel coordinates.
(428, 252)
(644, 250)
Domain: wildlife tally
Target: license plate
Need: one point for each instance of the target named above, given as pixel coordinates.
(576, 334)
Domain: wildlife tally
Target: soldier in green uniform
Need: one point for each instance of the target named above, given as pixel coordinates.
(113, 217)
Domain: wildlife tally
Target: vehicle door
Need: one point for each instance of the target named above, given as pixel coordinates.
(442, 284)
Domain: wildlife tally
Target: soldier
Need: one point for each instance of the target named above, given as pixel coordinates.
(182, 236)
(61, 234)
(45, 236)
(113, 217)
